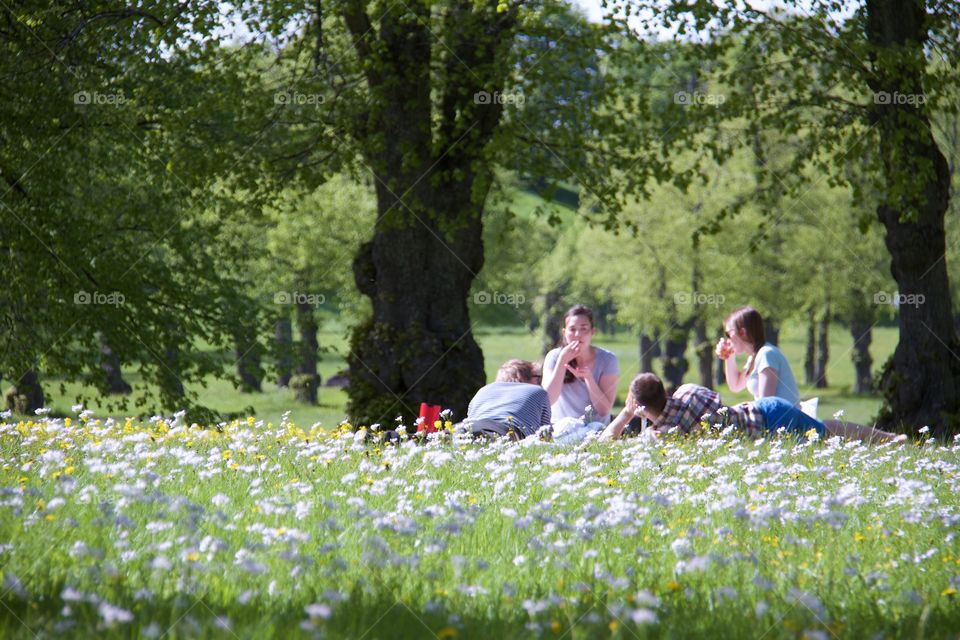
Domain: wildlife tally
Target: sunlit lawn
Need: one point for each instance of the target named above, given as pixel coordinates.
(500, 344)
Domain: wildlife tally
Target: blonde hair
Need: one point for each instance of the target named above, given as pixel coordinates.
(516, 371)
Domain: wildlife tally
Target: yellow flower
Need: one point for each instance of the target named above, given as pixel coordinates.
(555, 626)
(859, 537)
(673, 585)
(447, 632)
(949, 591)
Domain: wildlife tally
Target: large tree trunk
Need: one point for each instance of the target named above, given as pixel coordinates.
(306, 382)
(426, 142)
(283, 344)
(418, 346)
(26, 396)
(921, 381)
(809, 357)
(823, 348)
(110, 365)
(705, 355)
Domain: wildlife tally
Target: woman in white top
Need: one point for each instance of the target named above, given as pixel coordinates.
(767, 372)
(578, 374)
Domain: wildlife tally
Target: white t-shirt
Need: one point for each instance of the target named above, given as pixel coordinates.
(574, 396)
(769, 357)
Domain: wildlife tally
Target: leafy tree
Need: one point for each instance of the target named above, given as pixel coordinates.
(112, 129)
(431, 98)
(840, 79)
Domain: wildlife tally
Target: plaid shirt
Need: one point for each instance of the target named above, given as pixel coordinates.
(747, 418)
(689, 403)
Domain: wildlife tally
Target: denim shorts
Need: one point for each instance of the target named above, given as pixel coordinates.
(778, 412)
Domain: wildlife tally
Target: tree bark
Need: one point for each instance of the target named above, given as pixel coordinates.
(425, 139)
(675, 363)
(648, 351)
(283, 344)
(169, 382)
(720, 374)
(553, 310)
(921, 381)
(26, 396)
(771, 329)
(247, 353)
(110, 365)
(809, 357)
(306, 382)
(705, 355)
(823, 348)
(862, 333)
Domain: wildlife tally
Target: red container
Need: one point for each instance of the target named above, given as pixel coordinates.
(430, 414)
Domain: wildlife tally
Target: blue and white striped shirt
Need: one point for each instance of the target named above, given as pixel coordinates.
(525, 406)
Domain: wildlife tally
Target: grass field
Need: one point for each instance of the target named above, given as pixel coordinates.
(500, 344)
(156, 530)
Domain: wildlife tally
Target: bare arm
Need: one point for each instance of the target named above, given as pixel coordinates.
(615, 429)
(602, 395)
(736, 378)
(553, 378)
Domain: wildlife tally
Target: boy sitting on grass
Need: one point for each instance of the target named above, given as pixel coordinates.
(691, 404)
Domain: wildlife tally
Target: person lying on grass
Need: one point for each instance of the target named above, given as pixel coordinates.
(692, 404)
(514, 405)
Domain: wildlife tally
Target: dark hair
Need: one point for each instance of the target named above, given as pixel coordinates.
(751, 321)
(647, 390)
(575, 310)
